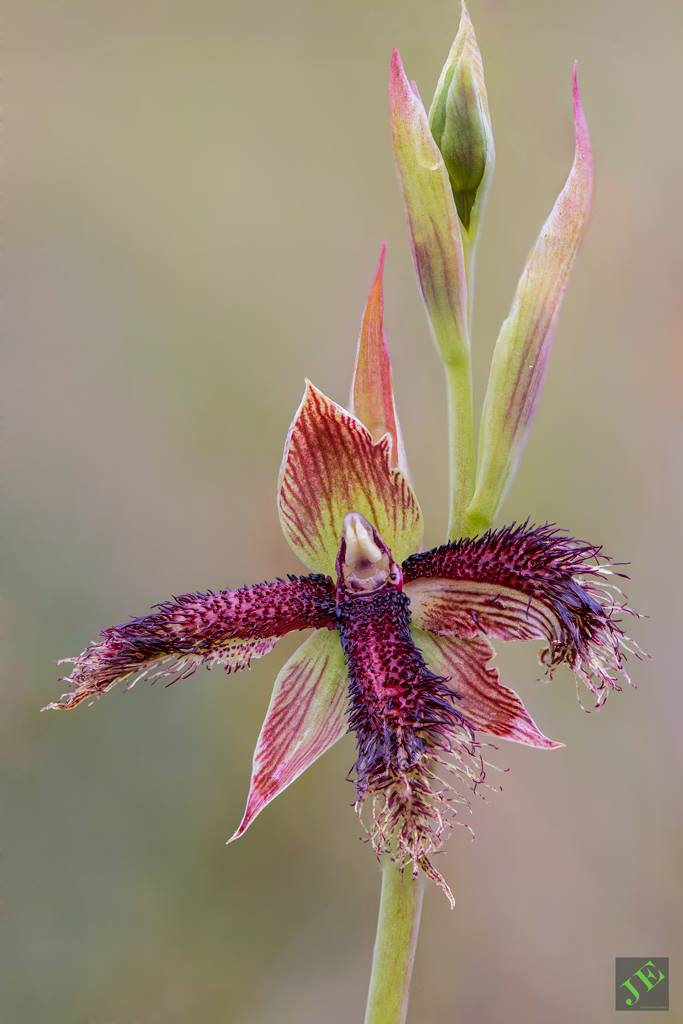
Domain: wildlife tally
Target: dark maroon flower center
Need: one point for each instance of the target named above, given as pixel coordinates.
(398, 708)
(403, 715)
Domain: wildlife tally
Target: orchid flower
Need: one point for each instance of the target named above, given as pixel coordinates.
(400, 646)
(400, 650)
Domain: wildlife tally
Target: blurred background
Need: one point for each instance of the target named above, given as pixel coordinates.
(195, 195)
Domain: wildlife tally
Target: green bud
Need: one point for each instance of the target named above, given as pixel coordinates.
(461, 126)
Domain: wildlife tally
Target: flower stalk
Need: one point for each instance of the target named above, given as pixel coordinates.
(461, 444)
(398, 926)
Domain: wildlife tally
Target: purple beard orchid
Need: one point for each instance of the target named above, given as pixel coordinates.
(400, 652)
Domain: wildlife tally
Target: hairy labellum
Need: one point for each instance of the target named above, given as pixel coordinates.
(406, 725)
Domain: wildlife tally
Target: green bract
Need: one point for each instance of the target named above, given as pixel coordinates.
(522, 350)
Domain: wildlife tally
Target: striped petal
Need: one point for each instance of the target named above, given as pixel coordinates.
(523, 347)
(483, 701)
(433, 221)
(332, 466)
(524, 583)
(306, 716)
(372, 391)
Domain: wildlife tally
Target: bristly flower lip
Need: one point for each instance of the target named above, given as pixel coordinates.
(407, 727)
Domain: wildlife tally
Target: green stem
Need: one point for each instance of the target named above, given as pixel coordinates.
(462, 446)
(392, 962)
(461, 443)
(469, 255)
(475, 520)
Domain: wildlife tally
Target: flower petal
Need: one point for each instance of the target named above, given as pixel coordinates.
(332, 466)
(433, 221)
(372, 391)
(227, 629)
(483, 700)
(305, 717)
(523, 347)
(522, 583)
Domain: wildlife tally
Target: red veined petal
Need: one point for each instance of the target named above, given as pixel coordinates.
(332, 466)
(227, 629)
(483, 701)
(306, 716)
(372, 391)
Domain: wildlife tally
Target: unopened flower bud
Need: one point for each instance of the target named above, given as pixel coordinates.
(461, 125)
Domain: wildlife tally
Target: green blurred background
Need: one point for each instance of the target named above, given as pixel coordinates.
(195, 195)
